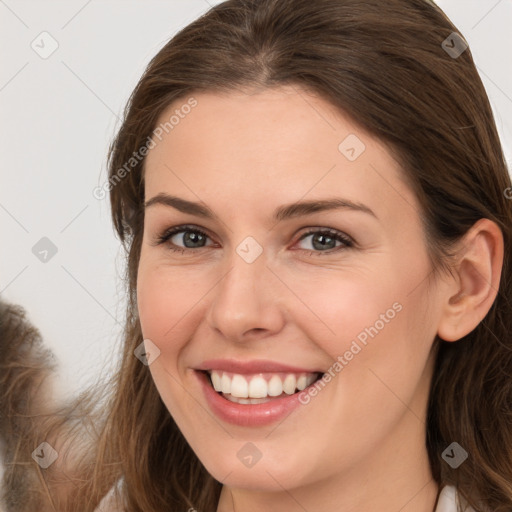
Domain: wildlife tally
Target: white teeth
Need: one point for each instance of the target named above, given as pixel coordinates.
(258, 387)
(216, 381)
(239, 387)
(289, 384)
(302, 382)
(275, 386)
(226, 383)
(247, 400)
(243, 388)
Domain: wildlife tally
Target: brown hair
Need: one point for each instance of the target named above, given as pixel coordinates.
(384, 65)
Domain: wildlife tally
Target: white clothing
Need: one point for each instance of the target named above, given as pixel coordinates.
(448, 500)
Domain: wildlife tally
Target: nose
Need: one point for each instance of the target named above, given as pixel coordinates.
(247, 302)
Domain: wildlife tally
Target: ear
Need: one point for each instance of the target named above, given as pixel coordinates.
(475, 282)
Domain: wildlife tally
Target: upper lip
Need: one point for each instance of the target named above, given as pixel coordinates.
(253, 366)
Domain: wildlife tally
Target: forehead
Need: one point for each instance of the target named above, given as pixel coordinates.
(224, 123)
(270, 146)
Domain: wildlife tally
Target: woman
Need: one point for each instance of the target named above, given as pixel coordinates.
(313, 200)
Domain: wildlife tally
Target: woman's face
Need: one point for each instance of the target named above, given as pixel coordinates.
(268, 301)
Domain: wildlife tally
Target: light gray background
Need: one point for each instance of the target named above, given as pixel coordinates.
(58, 117)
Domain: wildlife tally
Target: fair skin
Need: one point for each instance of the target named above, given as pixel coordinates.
(358, 445)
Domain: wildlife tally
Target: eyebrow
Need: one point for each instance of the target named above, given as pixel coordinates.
(283, 212)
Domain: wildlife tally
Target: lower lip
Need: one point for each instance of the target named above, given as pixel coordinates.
(247, 415)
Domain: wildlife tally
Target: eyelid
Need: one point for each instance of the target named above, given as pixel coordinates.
(329, 231)
(167, 233)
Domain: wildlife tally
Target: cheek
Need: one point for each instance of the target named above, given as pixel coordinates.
(153, 304)
(376, 325)
(341, 306)
(170, 303)
(161, 306)
(164, 299)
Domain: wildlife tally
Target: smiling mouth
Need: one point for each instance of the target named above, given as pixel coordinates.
(259, 388)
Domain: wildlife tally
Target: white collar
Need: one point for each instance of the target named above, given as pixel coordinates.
(449, 499)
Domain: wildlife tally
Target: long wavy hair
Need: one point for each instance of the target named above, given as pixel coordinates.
(387, 66)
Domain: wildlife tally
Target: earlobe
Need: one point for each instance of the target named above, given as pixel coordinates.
(476, 280)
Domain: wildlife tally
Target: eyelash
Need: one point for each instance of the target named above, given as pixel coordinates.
(337, 235)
